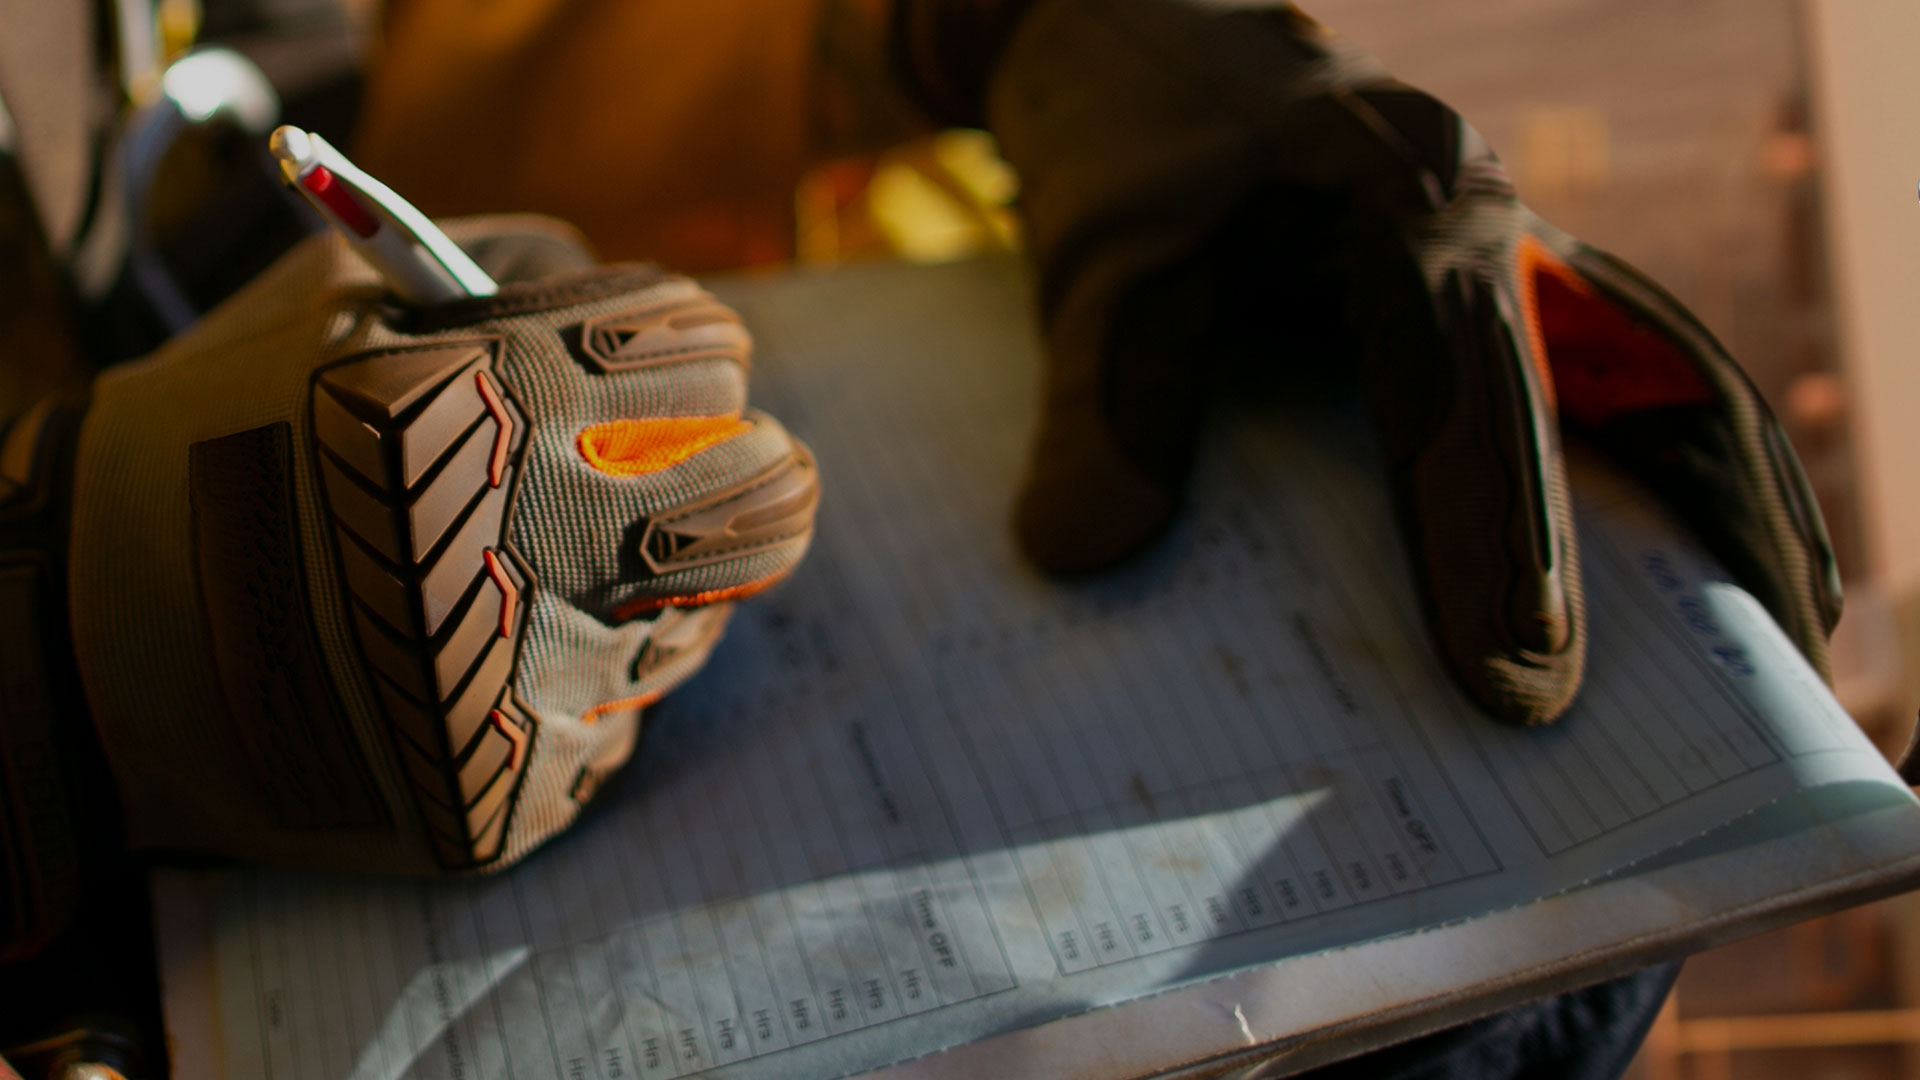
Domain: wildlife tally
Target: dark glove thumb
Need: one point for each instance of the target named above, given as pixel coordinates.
(1126, 386)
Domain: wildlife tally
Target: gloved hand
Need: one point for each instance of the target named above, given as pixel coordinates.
(386, 590)
(1206, 178)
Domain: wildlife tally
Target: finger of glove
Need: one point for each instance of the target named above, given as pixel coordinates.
(1120, 413)
(1465, 418)
(648, 485)
(1658, 394)
(1134, 149)
(1118, 221)
(1149, 326)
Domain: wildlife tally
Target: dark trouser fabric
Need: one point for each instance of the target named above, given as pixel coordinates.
(1588, 1034)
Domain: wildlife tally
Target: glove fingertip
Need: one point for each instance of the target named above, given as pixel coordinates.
(1525, 690)
(1079, 518)
(1515, 638)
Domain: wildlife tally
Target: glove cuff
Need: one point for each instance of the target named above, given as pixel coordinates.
(57, 800)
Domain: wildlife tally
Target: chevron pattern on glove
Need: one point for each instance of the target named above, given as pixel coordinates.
(418, 449)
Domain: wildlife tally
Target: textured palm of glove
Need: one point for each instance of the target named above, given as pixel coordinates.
(1205, 178)
(367, 589)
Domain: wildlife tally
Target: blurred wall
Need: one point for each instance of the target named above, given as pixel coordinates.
(1865, 67)
(1864, 59)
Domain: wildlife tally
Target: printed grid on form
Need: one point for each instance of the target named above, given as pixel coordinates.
(849, 820)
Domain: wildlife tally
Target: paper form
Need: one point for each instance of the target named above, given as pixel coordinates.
(923, 795)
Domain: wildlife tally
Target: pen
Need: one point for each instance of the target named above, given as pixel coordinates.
(419, 262)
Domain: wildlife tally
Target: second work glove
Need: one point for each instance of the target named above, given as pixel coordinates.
(364, 588)
(1204, 179)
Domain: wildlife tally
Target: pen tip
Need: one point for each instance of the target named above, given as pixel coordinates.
(291, 145)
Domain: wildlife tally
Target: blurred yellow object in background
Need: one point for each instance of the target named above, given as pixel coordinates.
(936, 199)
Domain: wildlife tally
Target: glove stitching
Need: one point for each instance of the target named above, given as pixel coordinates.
(717, 352)
(774, 542)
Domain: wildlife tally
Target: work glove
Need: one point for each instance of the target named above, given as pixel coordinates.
(1205, 180)
(361, 587)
